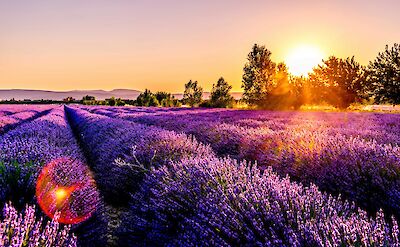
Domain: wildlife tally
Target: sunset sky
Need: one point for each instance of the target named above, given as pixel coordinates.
(160, 45)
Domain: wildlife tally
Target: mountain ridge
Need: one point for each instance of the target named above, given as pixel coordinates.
(35, 94)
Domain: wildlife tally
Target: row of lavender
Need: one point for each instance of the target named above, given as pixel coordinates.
(121, 153)
(381, 128)
(24, 150)
(12, 116)
(183, 194)
(353, 154)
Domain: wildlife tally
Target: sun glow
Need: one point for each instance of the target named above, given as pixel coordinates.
(61, 195)
(66, 186)
(301, 60)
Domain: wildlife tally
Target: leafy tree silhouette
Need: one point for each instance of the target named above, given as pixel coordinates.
(258, 75)
(193, 93)
(339, 82)
(220, 94)
(384, 76)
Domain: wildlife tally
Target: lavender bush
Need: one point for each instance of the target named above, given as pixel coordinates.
(12, 116)
(222, 203)
(25, 229)
(122, 152)
(17, 183)
(24, 151)
(354, 155)
(163, 184)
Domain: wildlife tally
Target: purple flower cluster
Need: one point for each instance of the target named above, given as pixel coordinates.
(121, 152)
(175, 176)
(12, 116)
(224, 203)
(221, 202)
(17, 229)
(353, 154)
(26, 149)
(40, 141)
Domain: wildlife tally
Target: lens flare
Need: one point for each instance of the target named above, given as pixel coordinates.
(66, 186)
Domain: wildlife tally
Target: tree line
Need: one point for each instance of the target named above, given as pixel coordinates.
(266, 84)
(220, 96)
(337, 81)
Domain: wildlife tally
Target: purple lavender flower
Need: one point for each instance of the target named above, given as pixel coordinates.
(225, 203)
(25, 229)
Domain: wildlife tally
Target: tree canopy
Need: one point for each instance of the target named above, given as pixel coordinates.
(339, 82)
(220, 94)
(193, 93)
(147, 98)
(166, 99)
(258, 75)
(384, 76)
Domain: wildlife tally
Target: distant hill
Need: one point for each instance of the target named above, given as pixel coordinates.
(21, 94)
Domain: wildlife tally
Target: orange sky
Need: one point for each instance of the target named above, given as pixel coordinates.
(160, 45)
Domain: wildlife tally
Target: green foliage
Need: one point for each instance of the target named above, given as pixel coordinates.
(339, 82)
(88, 97)
(111, 102)
(17, 183)
(300, 90)
(259, 71)
(193, 93)
(115, 102)
(119, 102)
(89, 100)
(266, 84)
(166, 99)
(147, 98)
(206, 104)
(384, 76)
(220, 94)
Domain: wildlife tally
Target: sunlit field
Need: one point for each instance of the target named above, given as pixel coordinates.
(143, 176)
(199, 123)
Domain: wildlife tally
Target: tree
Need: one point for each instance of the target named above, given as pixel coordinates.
(193, 93)
(88, 100)
(339, 82)
(258, 76)
(111, 101)
(115, 102)
(119, 102)
(166, 99)
(300, 91)
(384, 76)
(280, 95)
(220, 94)
(147, 98)
(88, 97)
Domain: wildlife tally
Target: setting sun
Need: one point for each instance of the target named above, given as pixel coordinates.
(301, 60)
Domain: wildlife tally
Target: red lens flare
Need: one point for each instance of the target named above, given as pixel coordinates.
(66, 186)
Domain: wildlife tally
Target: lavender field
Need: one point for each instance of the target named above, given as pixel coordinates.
(136, 176)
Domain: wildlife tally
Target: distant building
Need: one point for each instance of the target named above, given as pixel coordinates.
(69, 99)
